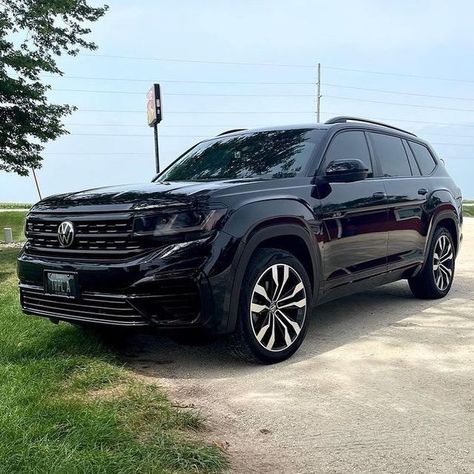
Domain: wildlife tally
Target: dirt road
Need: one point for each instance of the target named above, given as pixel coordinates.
(383, 383)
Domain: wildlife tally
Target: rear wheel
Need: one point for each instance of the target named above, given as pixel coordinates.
(436, 278)
(273, 309)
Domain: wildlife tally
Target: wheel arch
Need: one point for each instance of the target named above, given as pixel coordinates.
(446, 217)
(292, 235)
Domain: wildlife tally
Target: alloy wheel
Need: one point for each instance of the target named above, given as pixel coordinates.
(443, 262)
(278, 307)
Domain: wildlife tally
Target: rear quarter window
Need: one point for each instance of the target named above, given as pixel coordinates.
(423, 157)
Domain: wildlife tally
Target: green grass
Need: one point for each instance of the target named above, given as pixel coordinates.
(468, 208)
(15, 220)
(67, 405)
(15, 205)
(468, 211)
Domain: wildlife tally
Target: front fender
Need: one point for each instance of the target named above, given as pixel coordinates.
(255, 223)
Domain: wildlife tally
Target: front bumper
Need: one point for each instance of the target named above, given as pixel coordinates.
(167, 288)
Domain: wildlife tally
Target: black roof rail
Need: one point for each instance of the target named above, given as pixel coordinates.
(345, 119)
(231, 131)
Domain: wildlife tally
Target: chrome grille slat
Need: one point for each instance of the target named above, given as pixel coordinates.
(95, 308)
(96, 236)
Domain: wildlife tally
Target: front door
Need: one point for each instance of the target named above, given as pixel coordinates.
(354, 217)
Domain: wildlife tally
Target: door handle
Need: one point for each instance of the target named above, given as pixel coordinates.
(422, 191)
(379, 195)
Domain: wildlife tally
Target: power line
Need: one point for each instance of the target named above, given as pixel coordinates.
(182, 93)
(90, 124)
(196, 111)
(399, 104)
(197, 61)
(421, 122)
(453, 144)
(400, 74)
(174, 81)
(385, 91)
(241, 63)
(132, 135)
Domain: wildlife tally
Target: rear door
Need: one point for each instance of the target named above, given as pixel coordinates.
(354, 216)
(406, 192)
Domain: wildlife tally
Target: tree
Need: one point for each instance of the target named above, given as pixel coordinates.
(33, 33)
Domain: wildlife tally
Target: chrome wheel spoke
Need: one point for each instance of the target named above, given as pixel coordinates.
(258, 308)
(286, 273)
(446, 258)
(285, 329)
(299, 287)
(293, 324)
(260, 290)
(297, 304)
(264, 330)
(445, 269)
(271, 341)
(275, 279)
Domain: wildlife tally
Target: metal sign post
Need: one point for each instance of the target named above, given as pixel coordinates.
(154, 116)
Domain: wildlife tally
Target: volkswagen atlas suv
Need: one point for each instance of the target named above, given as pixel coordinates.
(245, 233)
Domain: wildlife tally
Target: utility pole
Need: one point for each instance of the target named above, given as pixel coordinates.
(318, 95)
(37, 184)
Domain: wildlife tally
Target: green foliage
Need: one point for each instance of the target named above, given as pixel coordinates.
(67, 405)
(32, 34)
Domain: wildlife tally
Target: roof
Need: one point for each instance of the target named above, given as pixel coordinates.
(337, 122)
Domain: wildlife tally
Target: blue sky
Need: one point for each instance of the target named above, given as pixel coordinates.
(419, 42)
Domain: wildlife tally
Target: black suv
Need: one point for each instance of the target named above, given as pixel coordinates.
(246, 232)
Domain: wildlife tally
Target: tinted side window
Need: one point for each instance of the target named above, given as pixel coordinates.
(423, 157)
(349, 146)
(391, 154)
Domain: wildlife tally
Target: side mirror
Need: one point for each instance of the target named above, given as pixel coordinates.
(345, 171)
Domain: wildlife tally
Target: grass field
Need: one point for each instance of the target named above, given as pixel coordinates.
(15, 220)
(468, 208)
(15, 205)
(67, 406)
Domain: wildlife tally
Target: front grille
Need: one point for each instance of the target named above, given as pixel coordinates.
(101, 236)
(91, 307)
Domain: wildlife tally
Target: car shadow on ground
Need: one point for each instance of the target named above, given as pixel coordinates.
(333, 324)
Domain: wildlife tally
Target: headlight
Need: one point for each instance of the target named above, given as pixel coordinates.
(160, 224)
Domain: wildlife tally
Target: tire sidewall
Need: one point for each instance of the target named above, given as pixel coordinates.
(261, 261)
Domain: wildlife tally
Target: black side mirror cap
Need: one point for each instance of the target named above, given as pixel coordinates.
(345, 171)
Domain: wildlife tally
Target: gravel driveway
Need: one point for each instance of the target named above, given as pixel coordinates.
(383, 383)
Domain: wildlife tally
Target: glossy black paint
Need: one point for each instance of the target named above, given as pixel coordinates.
(349, 235)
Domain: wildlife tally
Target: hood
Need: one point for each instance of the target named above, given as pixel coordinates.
(132, 197)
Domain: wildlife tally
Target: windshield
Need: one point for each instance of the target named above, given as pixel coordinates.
(269, 154)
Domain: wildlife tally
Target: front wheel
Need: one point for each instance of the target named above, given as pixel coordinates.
(436, 278)
(273, 309)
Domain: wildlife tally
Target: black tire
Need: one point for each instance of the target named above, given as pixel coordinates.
(426, 284)
(244, 343)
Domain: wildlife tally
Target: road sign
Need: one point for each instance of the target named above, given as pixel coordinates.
(153, 105)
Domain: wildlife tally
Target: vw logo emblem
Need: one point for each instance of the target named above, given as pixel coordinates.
(66, 234)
